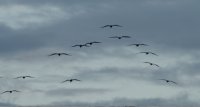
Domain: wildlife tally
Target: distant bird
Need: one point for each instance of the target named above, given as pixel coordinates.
(71, 80)
(111, 26)
(81, 45)
(150, 63)
(120, 37)
(147, 53)
(168, 81)
(11, 91)
(91, 43)
(23, 77)
(138, 44)
(59, 54)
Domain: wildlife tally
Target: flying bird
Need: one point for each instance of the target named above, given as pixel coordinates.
(111, 26)
(150, 63)
(23, 77)
(11, 91)
(81, 45)
(147, 53)
(138, 44)
(91, 43)
(70, 80)
(168, 81)
(120, 37)
(59, 54)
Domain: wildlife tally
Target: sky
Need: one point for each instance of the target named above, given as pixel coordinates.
(111, 73)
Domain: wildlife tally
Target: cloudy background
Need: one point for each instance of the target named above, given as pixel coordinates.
(112, 73)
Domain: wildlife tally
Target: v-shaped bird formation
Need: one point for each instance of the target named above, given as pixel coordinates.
(90, 44)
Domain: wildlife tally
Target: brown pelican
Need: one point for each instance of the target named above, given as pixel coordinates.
(59, 54)
(147, 53)
(111, 26)
(11, 91)
(70, 80)
(168, 81)
(23, 77)
(138, 44)
(120, 37)
(152, 64)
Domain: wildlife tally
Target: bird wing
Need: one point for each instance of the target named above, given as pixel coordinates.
(143, 44)
(15, 91)
(114, 37)
(76, 79)
(65, 81)
(53, 54)
(156, 65)
(164, 79)
(29, 76)
(173, 82)
(126, 36)
(95, 42)
(5, 92)
(18, 77)
(143, 52)
(153, 53)
(148, 62)
(105, 26)
(75, 45)
(117, 25)
(65, 54)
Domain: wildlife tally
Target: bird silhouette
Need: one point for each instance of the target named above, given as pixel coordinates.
(59, 54)
(150, 63)
(168, 81)
(11, 91)
(111, 26)
(91, 43)
(81, 45)
(138, 44)
(120, 37)
(147, 53)
(23, 77)
(70, 80)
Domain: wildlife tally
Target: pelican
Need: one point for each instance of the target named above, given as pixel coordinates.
(150, 63)
(111, 26)
(11, 91)
(168, 81)
(71, 80)
(147, 53)
(59, 54)
(120, 37)
(23, 77)
(138, 44)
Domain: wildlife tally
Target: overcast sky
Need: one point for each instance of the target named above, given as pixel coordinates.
(111, 73)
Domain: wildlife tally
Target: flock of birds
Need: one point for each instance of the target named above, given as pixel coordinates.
(90, 44)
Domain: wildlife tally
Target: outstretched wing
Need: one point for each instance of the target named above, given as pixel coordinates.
(5, 92)
(53, 54)
(117, 25)
(153, 53)
(65, 54)
(173, 82)
(65, 81)
(114, 37)
(126, 37)
(76, 79)
(15, 91)
(105, 26)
